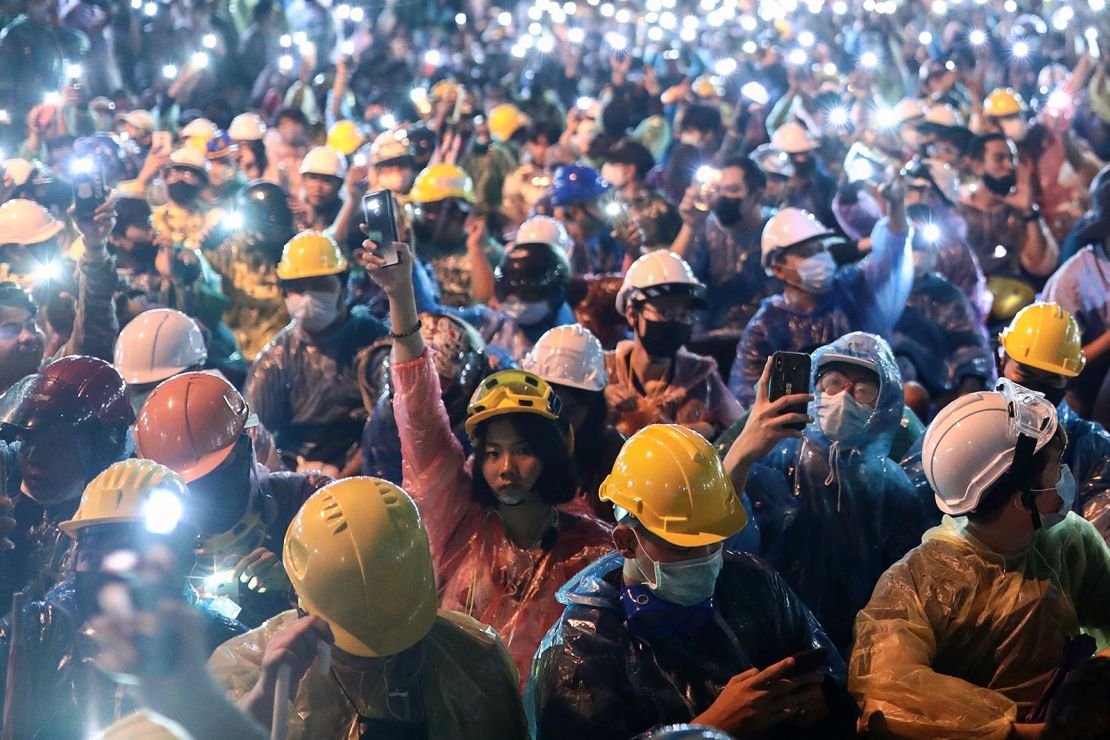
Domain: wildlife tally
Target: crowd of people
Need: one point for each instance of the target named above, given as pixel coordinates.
(729, 368)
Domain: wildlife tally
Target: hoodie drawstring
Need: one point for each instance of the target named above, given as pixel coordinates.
(834, 473)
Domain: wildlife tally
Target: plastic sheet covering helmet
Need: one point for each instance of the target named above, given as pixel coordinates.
(591, 680)
(959, 641)
(851, 510)
(569, 355)
(75, 389)
(533, 272)
(457, 682)
(157, 344)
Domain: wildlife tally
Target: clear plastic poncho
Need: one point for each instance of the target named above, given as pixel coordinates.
(959, 642)
(850, 510)
(457, 682)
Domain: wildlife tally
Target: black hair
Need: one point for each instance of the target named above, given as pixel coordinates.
(258, 149)
(700, 117)
(131, 212)
(13, 296)
(262, 10)
(627, 151)
(296, 115)
(548, 130)
(558, 481)
(1015, 481)
(977, 149)
(754, 177)
(1081, 710)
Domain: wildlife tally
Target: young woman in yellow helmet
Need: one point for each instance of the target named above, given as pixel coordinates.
(500, 546)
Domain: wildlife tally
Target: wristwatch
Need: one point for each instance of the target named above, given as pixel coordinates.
(1033, 214)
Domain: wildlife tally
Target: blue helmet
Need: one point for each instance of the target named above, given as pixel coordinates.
(576, 183)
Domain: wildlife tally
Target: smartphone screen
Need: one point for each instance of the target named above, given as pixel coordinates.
(789, 375)
(808, 661)
(89, 188)
(380, 216)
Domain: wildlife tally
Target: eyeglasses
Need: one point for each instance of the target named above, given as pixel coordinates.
(834, 382)
(682, 314)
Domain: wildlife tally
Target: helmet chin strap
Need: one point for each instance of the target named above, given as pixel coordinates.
(1023, 456)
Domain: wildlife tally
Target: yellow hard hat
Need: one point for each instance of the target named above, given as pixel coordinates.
(1003, 101)
(504, 120)
(121, 494)
(672, 481)
(344, 137)
(1046, 337)
(311, 254)
(707, 86)
(440, 182)
(1010, 296)
(143, 725)
(357, 556)
(445, 89)
(514, 392)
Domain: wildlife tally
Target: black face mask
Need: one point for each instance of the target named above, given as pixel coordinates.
(1000, 185)
(805, 166)
(728, 210)
(663, 338)
(183, 193)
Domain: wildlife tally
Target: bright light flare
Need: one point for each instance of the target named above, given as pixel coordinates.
(169, 71)
(725, 67)
(755, 92)
(199, 60)
(51, 98)
(232, 220)
(977, 37)
(869, 60)
(797, 57)
(208, 41)
(73, 71)
(1020, 50)
(46, 271)
(838, 116)
(931, 233)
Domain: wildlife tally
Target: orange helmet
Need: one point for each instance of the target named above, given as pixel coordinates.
(190, 423)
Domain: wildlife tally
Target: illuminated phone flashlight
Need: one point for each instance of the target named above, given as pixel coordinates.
(505, 18)
(1020, 50)
(755, 92)
(869, 60)
(343, 11)
(51, 98)
(924, 38)
(347, 48)
(545, 44)
(860, 170)
(1059, 101)
(806, 39)
(199, 60)
(45, 272)
(977, 37)
(214, 582)
(725, 67)
(82, 166)
(136, 4)
(433, 58)
(584, 103)
(931, 232)
(300, 37)
(1091, 36)
(707, 178)
(387, 120)
(797, 57)
(307, 49)
(162, 511)
(208, 41)
(169, 71)
(460, 19)
(150, 10)
(886, 118)
(233, 220)
(1062, 17)
(576, 35)
(73, 71)
(357, 14)
(838, 116)
(613, 210)
(285, 41)
(285, 63)
(5, 119)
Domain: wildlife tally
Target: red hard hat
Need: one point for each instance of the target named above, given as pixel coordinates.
(190, 423)
(74, 389)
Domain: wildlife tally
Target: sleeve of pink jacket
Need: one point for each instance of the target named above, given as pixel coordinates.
(434, 464)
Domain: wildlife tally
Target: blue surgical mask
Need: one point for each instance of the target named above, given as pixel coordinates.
(526, 313)
(841, 417)
(816, 273)
(684, 582)
(1065, 489)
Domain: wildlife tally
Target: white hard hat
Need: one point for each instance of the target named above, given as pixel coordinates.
(945, 178)
(390, 145)
(544, 230)
(158, 344)
(323, 160)
(568, 355)
(199, 127)
(189, 157)
(786, 228)
(772, 161)
(908, 109)
(247, 127)
(656, 274)
(19, 170)
(793, 138)
(139, 119)
(943, 115)
(973, 441)
(26, 222)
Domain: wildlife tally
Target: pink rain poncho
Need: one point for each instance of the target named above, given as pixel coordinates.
(479, 570)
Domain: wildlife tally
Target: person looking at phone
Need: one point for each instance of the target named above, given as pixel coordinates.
(653, 377)
(964, 636)
(58, 687)
(674, 628)
(820, 301)
(497, 511)
(843, 511)
(358, 556)
(303, 385)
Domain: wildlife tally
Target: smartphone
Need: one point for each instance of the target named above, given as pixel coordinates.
(90, 189)
(379, 213)
(789, 375)
(809, 661)
(161, 141)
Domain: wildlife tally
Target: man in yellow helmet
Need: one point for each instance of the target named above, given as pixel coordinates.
(1041, 350)
(672, 628)
(303, 385)
(59, 692)
(358, 557)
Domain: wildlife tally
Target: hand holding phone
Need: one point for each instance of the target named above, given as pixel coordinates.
(809, 661)
(379, 213)
(161, 141)
(790, 373)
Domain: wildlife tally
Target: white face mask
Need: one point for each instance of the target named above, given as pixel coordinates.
(693, 138)
(1015, 129)
(1065, 489)
(816, 273)
(526, 313)
(613, 174)
(393, 181)
(685, 582)
(314, 309)
(841, 417)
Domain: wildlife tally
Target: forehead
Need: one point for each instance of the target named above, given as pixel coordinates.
(502, 432)
(732, 176)
(997, 148)
(13, 314)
